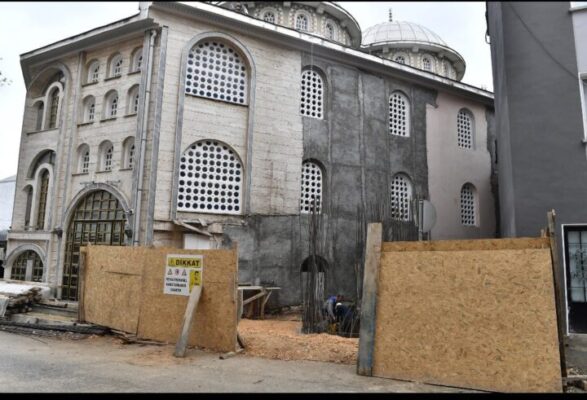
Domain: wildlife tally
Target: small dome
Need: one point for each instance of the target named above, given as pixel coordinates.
(399, 31)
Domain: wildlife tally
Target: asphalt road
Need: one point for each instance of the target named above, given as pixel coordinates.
(102, 364)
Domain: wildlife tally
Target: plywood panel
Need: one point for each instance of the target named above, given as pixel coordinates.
(475, 319)
(473, 244)
(124, 290)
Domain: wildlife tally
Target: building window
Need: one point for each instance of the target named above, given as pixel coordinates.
(329, 31)
(302, 22)
(111, 105)
(400, 59)
(129, 152)
(312, 94)
(29, 202)
(468, 205)
(25, 260)
(54, 109)
(465, 129)
(43, 190)
(40, 111)
(137, 60)
(269, 17)
(210, 179)
(133, 100)
(401, 195)
(116, 66)
(216, 71)
(89, 109)
(311, 188)
(108, 158)
(427, 64)
(85, 162)
(399, 114)
(93, 72)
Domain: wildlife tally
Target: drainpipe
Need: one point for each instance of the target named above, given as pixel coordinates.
(139, 197)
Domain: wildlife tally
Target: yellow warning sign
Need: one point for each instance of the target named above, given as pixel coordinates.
(182, 273)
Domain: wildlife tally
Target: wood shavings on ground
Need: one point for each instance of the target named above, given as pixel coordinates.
(283, 340)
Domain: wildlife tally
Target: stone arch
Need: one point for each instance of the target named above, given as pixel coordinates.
(13, 255)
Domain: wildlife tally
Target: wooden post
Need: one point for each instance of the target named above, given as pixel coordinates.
(190, 310)
(559, 302)
(81, 275)
(369, 301)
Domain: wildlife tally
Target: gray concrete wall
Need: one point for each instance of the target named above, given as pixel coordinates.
(359, 157)
(542, 163)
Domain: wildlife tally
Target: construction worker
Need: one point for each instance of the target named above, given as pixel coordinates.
(330, 307)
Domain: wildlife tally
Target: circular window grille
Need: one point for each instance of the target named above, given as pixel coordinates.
(311, 188)
(210, 179)
(269, 17)
(467, 205)
(401, 194)
(465, 130)
(216, 71)
(400, 59)
(427, 65)
(312, 94)
(399, 115)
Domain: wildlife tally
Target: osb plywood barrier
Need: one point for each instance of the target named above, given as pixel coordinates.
(473, 244)
(124, 290)
(474, 319)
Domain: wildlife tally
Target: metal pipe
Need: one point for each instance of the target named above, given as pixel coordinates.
(141, 166)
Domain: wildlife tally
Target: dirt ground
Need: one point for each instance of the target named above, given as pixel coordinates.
(280, 337)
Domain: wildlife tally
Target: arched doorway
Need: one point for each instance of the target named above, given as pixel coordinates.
(98, 219)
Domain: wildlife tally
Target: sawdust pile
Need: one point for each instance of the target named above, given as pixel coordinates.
(283, 340)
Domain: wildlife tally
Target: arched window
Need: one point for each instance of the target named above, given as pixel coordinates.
(29, 203)
(106, 153)
(133, 100)
(210, 179)
(40, 111)
(311, 188)
(111, 105)
(137, 60)
(426, 64)
(401, 195)
(329, 31)
(302, 22)
(93, 72)
(83, 159)
(116, 66)
(53, 111)
(27, 261)
(465, 129)
(89, 109)
(400, 59)
(129, 152)
(468, 212)
(42, 205)
(269, 16)
(446, 70)
(312, 94)
(399, 114)
(216, 71)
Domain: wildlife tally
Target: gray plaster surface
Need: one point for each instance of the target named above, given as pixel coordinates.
(102, 364)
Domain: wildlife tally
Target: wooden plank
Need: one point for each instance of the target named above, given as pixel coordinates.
(556, 272)
(81, 315)
(255, 297)
(368, 304)
(190, 310)
(264, 301)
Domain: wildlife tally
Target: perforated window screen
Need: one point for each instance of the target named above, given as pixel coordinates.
(131, 155)
(329, 31)
(311, 188)
(114, 106)
(401, 194)
(216, 71)
(210, 179)
(465, 129)
(312, 94)
(468, 205)
(85, 161)
(399, 115)
(93, 73)
(91, 111)
(400, 59)
(117, 66)
(269, 17)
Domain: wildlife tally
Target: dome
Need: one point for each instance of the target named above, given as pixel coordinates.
(399, 31)
(392, 37)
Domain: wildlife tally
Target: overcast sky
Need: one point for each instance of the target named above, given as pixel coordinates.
(28, 26)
